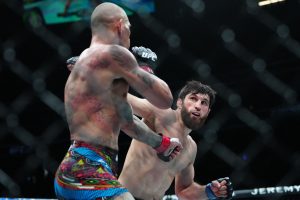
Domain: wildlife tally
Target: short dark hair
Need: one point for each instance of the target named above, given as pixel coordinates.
(198, 87)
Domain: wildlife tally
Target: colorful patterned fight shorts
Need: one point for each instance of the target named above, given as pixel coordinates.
(88, 172)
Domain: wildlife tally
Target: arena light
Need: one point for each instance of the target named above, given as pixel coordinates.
(267, 2)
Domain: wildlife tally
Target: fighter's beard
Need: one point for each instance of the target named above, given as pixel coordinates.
(190, 123)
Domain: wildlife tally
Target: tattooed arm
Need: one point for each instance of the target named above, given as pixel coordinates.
(155, 90)
(133, 126)
(165, 146)
(168, 147)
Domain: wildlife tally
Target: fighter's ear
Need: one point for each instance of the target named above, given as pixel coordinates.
(118, 26)
(179, 103)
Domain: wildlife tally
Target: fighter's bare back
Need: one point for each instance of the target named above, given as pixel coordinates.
(92, 109)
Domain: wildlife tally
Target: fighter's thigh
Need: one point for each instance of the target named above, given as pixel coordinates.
(124, 196)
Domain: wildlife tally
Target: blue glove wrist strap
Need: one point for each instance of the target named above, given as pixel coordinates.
(210, 194)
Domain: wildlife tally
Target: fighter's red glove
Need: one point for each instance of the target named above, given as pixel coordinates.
(169, 148)
(145, 58)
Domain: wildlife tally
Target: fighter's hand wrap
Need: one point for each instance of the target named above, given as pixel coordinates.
(72, 60)
(167, 147)
(211, 195)
(145, 57)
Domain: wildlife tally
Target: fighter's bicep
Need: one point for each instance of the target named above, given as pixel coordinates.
(185, 177)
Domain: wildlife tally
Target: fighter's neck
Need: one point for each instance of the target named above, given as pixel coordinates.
(185, 129)
(109, 40)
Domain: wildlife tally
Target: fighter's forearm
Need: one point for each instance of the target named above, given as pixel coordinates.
(133, 126)
(193, 192)
(154, 89)
(140, 131)
(166, 147)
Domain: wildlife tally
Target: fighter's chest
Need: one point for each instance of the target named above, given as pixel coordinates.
(179, 163)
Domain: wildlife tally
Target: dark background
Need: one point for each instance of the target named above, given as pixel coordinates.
(248, 54)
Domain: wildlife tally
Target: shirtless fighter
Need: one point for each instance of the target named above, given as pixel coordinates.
(148, 177)
(144, 173)
(97, 109)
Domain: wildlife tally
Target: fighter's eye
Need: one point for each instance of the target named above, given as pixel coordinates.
(193, 98)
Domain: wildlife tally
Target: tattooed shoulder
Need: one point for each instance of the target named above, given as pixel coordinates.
(99, 62)
(121, 57)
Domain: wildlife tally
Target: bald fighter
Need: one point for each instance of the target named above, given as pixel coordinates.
(97, 109)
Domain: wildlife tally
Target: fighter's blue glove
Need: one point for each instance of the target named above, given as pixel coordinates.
(212, 196)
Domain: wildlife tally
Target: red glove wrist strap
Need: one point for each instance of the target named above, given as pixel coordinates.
(147, 68)
(165, 143)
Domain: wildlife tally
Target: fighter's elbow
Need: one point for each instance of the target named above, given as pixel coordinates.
(165, 102)
(184, 196)
(180, 195)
